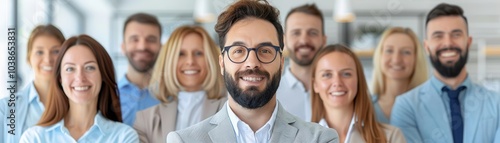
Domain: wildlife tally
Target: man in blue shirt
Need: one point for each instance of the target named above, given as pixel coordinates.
(141, 44)
(448, 107)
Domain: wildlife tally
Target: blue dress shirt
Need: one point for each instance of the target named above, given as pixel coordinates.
(133, 99)
(103, 131)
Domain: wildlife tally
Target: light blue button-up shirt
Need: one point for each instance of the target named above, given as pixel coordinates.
(133, 99)
(103, 131)
(27, 110)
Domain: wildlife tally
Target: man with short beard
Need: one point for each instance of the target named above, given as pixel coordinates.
(304, 36)
(448, 108)
(251, 39)
(141, 45)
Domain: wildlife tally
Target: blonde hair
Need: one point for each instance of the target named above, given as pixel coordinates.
(420, 71)
(367, 125)
(164, 84)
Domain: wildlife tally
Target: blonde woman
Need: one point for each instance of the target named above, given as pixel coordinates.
(339, 99)
(399, 66)
(187, 81)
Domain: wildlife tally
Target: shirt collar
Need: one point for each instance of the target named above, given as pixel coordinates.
(234, 119)
(290, 78)
(99, 124)
(123, 82)
(438, 85)
(354, 120)
(33, 94)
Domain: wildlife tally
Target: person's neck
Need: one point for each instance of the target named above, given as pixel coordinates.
(340, 120)
(302, 73)
(139, 79)
(394, 88)
(452, 82)
(255, 118)
(42, 88)
(80, 118)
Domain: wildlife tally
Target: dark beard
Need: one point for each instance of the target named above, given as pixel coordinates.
(142, 66)
(303, 61)
(449, 71)
(252, 98)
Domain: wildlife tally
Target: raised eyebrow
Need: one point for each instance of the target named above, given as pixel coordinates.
(347, 69)
(437, 32)
(88, 62)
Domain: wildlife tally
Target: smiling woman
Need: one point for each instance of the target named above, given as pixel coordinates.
(84, 104)
(187, 81)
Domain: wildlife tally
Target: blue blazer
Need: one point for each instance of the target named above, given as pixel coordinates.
(20, 106)
(423, 117)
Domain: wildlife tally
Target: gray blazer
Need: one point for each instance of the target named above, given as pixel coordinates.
(154, 123)
(287, 129)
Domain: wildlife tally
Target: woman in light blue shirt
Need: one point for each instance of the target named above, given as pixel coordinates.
(84, 104)
(399, 66)
(27, 106)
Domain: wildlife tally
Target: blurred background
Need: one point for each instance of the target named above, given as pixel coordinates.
(104, 19)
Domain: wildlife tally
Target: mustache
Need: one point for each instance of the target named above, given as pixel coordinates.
(307, 45)
(438, 52)
(252, 72)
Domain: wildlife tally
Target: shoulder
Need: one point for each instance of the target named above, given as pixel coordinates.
(393, 134)
(120, 130)
(35, 133)
(313, 131)
(195, 133)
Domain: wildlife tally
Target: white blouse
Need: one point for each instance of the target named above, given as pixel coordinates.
(189, 109)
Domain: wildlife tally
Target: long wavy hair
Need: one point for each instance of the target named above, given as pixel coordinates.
(108, 102)
(366, 124)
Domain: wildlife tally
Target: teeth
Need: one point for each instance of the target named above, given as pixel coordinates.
(448, 54)
(47, 68)
(397, 67)
(82, 88)
(338, 93)
(252, 79)
(304, 50)
(190, 72)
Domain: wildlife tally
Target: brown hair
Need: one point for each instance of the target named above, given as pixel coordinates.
(143, 18)
(420, 72)
(45, 30)
(366, 124)
(108, 101)
(164, 84)
(445, 9)
(245, 9)
(310, 9)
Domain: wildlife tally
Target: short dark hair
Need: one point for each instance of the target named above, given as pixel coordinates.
(142, 18)
(445, 9)
(310, 9)
(244, 9)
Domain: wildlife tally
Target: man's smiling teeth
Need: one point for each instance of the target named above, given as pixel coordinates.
(190, 71)
(47, 68)
(252, 79)
(338, 93)
(448, 54)
(81, 88)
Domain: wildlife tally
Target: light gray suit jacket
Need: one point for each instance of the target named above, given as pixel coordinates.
(153, 124)
(287, 129)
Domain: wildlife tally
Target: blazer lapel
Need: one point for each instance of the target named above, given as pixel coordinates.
(436, 112)
(223, 131)
(472, 114)
(282, 130)
(168, 117)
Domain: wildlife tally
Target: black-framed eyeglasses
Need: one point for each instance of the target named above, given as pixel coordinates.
(266, 53)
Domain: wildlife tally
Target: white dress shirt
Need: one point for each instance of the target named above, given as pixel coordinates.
(293, 96)
(189, 109)
(323, 123)
(244, 133)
